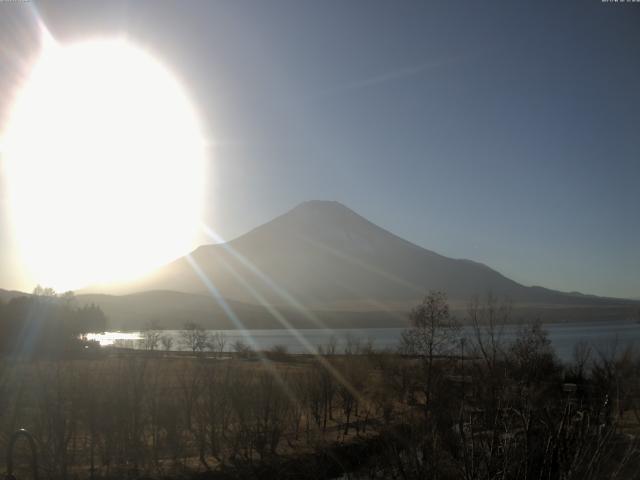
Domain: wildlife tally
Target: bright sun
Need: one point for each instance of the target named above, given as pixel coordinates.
(105, 161)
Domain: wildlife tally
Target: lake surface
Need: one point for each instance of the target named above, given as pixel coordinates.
(602, 336)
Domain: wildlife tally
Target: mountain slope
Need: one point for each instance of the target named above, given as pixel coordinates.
(6, 295)
(324, 256)
(172, 310)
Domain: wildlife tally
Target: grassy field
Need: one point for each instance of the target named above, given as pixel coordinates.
(134, 414)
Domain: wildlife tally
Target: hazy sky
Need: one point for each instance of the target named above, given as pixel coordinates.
(505, 132)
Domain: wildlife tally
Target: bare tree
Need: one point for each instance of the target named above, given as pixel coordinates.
(330, 348)
(194, 337)
(218, 342)
(488, 320)
(278, 353)
(531, 355)
(151, 336)
(44, 292)
(433, 332)
(577, 370)
(167, 342)
(242, 349)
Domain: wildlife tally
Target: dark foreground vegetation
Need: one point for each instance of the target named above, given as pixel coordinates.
(442, 407)
(45, 324)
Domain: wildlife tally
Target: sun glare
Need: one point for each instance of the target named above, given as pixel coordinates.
(104, 160)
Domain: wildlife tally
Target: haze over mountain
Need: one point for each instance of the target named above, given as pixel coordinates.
(322, 257)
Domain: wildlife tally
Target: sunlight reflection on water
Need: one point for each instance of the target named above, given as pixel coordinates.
(109, 338)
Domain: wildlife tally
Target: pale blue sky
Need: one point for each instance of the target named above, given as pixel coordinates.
(504, 132)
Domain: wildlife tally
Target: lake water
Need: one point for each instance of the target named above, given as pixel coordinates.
(603, 336)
